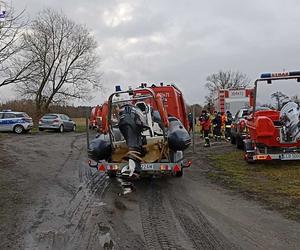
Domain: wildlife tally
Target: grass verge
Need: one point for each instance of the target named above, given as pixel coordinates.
(277, 184)
(80, 124)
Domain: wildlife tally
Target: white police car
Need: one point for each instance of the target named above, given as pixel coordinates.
(18, 122)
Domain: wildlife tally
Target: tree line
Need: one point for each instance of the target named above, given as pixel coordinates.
(49, 59)
(28, 106)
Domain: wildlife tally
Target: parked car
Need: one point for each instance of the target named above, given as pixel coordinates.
(18, 122)
(58, 122)
(238, 128)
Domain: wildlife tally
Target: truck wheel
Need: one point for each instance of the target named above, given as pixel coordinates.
(232, 140)
(18, 129)
(239, 143)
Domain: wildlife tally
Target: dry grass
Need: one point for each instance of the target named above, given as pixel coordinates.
(275, 183)
(80, 124)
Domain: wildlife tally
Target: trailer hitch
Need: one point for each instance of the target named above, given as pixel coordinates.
(187, 164)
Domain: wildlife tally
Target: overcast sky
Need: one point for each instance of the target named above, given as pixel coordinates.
(183, 41)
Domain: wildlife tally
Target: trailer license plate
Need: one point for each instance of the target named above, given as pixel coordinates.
(290, 157)
(147, 166)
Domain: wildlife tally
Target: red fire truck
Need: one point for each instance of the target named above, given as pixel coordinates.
(95, 116)
(233, 99)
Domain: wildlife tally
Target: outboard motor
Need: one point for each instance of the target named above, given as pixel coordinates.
(178, 137)
(132, 123)
(289, 117)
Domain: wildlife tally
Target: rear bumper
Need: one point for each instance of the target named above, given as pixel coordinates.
(281, 157)
(146, 168)
(54, 127)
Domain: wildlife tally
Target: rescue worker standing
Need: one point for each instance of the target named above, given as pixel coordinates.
(223, 118)
(228, 125)
(217, 125)
(206, 124)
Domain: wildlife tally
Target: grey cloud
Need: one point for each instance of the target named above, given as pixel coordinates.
(184, 41)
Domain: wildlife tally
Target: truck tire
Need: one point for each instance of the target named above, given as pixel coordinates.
(239, 143)
(232, 140)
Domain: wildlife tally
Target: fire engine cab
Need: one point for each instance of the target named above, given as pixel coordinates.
(233, 99)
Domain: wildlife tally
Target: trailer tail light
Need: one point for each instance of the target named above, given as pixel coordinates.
(101, 168)
(162, 167)
(176, 168)
(264, 157)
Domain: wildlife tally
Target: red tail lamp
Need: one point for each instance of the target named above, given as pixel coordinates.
(176, 168)
(101, 168)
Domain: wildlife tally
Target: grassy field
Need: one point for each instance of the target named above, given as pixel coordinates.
(277, 184)
(80, 124)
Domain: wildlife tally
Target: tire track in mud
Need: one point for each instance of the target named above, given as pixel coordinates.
(76, 227)
(158, 228)
(79, 227)
(200, 231)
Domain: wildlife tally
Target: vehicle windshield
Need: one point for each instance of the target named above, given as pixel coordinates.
(245, 113)
(277, 93)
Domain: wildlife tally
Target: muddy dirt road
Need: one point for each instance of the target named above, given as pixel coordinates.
(63, 204)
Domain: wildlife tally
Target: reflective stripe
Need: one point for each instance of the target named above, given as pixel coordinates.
(11, 121)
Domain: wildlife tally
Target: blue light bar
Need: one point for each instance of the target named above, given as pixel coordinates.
(280, 74)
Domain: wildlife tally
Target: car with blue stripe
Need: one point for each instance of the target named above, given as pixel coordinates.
(18, 122)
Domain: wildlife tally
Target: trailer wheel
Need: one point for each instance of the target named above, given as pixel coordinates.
(249, 151)
(179, 173)
(249, 158)
(112, 174)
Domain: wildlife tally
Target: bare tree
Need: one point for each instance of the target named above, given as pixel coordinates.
(209, 103)
(279, 98)
(11, 26)
(226, 80)
(59, 61)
